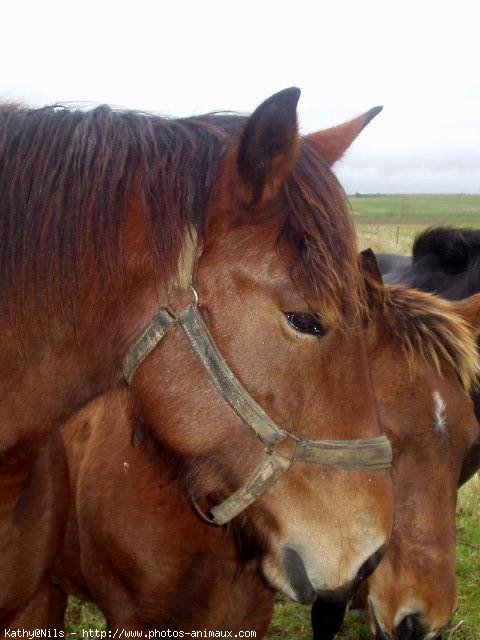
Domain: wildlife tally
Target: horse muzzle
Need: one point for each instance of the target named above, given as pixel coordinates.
(411, 627)
(307, 589)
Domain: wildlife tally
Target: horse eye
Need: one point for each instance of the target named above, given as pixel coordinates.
(305, 323)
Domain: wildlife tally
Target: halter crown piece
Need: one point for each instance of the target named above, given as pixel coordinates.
(371, 453)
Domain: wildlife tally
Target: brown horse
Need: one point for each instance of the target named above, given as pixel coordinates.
(430, 420)
(98, 209)
(134, 546)
(412, 594)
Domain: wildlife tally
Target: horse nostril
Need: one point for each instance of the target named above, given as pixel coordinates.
(410, 628)
(297, 575)
(370, 565)
(379, 632)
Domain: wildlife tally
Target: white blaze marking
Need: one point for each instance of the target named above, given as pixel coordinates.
(439, 417)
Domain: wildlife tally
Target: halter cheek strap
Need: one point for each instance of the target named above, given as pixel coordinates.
(265, 475)
(371, 453)
(225, 381)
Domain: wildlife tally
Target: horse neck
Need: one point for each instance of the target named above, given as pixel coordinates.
(48, 374)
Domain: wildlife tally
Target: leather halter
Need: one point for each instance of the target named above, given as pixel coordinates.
(370, 454)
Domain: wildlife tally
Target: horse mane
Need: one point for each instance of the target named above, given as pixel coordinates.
(428, 326)
(66, 176)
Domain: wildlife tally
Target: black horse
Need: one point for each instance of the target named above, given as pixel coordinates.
(444, 261)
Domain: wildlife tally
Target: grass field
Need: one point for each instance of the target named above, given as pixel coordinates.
(418, 209)
(389, 224)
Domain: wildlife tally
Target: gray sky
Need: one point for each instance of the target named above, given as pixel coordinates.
(420, 59)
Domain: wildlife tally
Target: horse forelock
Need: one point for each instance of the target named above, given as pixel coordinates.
(428, 326)
(319, 227)
(66, 177)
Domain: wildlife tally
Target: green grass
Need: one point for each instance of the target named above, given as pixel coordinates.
(467, 619)
(388, 224)
(418, 209)
(82, 616)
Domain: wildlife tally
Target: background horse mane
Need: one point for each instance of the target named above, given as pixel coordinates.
(428, 326)
(67, 178)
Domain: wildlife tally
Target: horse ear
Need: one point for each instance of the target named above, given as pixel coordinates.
(469, 309)
(369, 266)
(268, 146)
(332, 143)
(372, 276)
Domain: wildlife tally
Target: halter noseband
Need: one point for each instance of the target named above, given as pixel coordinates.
(370, 453)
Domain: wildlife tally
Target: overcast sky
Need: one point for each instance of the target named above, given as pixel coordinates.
(420, 59)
